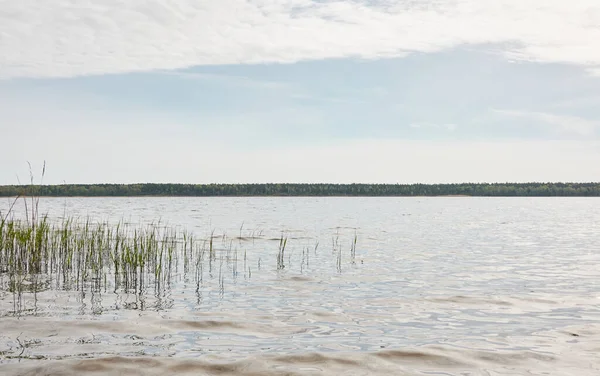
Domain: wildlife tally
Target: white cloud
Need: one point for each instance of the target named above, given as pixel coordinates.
(229, 80)
(69, 37)
(561, 124)
(594, 71)
(579, 101)
(447, 126)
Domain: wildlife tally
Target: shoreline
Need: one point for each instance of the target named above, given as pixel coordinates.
(300, 196)
(305, 190)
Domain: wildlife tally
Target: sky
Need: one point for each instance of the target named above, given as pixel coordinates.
(300, 91)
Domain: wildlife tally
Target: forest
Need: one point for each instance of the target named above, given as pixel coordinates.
(461, 189)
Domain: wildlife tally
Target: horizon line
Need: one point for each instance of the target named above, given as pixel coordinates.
(309, 183)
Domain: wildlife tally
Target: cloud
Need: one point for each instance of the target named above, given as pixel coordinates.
(231, 80)
(561, 124)
(594, 71)
(293, 90)
(65, 38)
(448, 126)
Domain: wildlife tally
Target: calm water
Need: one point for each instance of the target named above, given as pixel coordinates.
(438, 286)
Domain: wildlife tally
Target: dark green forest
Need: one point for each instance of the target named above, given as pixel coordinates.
(468, 189)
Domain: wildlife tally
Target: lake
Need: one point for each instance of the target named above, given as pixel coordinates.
(365, 286)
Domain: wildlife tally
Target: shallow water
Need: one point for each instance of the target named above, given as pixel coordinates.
(445, 286)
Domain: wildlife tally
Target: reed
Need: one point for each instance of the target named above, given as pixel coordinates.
(280, 254)
(79, 253)
(353, 249)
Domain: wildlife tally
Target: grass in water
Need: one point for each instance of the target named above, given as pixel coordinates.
(38, 253)
(280, 254)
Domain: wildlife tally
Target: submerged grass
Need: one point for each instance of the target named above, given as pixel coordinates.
(75, 253)
(78, 255)
(79, 252)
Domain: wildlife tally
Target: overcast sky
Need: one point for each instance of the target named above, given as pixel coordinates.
(202, 91)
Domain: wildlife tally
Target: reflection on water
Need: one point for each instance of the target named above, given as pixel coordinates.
(430, 285)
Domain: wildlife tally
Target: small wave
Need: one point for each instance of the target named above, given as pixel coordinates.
(404, 356)
(461, 299)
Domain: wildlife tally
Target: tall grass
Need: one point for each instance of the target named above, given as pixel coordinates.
(80, 251)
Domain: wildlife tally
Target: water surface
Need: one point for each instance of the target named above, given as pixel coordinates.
(452, 286)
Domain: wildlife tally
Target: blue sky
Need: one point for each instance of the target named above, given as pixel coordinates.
(300, 91)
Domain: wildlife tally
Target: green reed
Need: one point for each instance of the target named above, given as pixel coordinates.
(84, 251)
(280, 254)
(38, 253)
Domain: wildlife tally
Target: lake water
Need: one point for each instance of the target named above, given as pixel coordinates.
(436, 286)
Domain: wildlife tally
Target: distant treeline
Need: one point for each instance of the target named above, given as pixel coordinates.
(476, 189)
